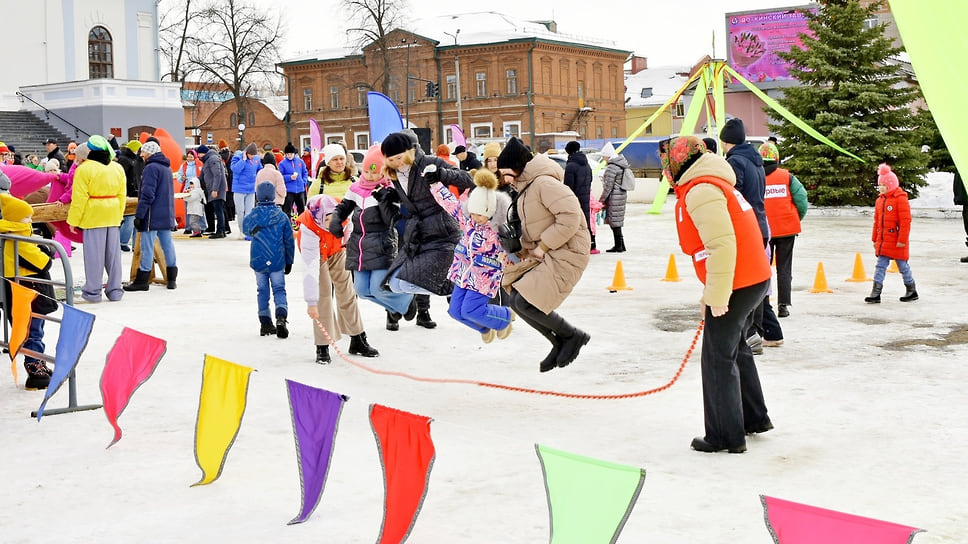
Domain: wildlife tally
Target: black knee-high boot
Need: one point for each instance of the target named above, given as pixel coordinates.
(566, 339)
(619, 246)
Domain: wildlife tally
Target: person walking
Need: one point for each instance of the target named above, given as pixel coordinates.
(785, 203)
(155, 217)
(718, 229)
(271, 255)
(213, 180)
(578, 178)
(293, 170)
(615, 188)
(245, 165)
(891, 234)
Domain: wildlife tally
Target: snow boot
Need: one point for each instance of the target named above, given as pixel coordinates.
(38, 375)
(875, 296)
(424, 320)
(619, 246)
(322, 355)
(910, 293)
(172, 273)
(359, 346)
(594, 250)
(266, 328)
(393, 321)
(140, 283)
(281, 330)
(412, 310)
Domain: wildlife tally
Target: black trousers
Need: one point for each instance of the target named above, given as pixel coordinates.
(218, 207)
(732, 396)
(299, 199)
(783, 252)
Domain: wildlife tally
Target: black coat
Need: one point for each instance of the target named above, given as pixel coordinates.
(133, 166)
(431, 234)
(373, 240)
(750, 180)
(470, 162)
(578, 178)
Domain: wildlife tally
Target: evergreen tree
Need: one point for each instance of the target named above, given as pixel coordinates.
(851, 92)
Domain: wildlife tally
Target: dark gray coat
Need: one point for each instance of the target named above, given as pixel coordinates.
(614, 197)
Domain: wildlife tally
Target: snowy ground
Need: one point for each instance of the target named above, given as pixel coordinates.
(868, 402)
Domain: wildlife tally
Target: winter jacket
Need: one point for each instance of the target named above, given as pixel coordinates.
(552, 218)
(578, 178)
(785, 202)
(270, 174)
(34, 263)
(479, 257)
(614, 196)
(750, 180)
(273, 247)
(61, 186)
(243, 173)
(56, 154)
(430, 234)
(372, 244)
(892, 225)
(470, 162)
(213, 176)
(335, 185)
(315, 244)
(156, 202)
(133, 166)
(189, 169)
(195, 201)
(99, 195)
(290, 166)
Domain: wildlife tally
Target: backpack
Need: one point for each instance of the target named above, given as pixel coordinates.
(628, 180)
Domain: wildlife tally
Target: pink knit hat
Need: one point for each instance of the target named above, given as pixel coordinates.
(373, 160)
(886, 178)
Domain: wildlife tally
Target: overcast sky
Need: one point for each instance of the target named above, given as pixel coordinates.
(667, 31)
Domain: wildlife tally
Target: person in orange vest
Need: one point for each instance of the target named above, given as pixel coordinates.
(718, 229)
(786, 205)
(892, 228)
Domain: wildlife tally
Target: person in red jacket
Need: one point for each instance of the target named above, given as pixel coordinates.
(786, 205)
(892, 227)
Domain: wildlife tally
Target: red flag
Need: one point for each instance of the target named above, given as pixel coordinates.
(795, 523)
(407, 455)
(129, 364)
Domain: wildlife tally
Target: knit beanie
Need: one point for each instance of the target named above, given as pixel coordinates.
(134, 146)
(289, 148)
(460, 149)
(443, 150)
(265, 192)
(202, 150)
(269, 158)
(515, 156)
(319, 207)
(733, 132)
(483, 199)
(252, 150)
(572, 147)
(711, 144)
(492, 149)
(150, 148)
(13, 209)
(222, 144)
(52, 165)
(394, 144)
(885, 177)
(373, 160)
(769, 152)
(683, 152)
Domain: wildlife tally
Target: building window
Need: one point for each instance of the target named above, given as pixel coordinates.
(100, 53)
(451, 88)
(615, 131)
(482, 130)
(680, 110)
(251, 118)
(361, 96)
(448, 134)
(481, 78)
(512, 128)
(871, 22)
(512, 77)
(362, 140)
(233, 120)
(333, 97)
(307, 100)
(598, 133)
(411, 91)
(646, 92)
(581, 90)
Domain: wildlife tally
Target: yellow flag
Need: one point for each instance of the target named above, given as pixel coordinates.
(220, 409)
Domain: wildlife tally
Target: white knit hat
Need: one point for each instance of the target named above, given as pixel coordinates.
(483, 199)
(333, 150)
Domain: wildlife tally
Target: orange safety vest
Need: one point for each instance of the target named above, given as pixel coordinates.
(752, 266)
(329, 245)
(781, 212)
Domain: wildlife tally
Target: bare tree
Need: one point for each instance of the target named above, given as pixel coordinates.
(377, 18)
(238, 47)
(176, 33)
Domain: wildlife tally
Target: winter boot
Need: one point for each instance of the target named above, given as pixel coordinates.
(322, 355)
(359, 346)
(910, 294)
(412, 310)
(140, 283)
(546, 325)
(38, 375)
(619, 241)
(755, 342)
(393, 321)
(424, 320)
(281, 330)
(266, 328)
(875, 297)
(594, 250)
(172, 273)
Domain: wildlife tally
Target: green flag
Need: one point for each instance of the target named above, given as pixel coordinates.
(589, 500)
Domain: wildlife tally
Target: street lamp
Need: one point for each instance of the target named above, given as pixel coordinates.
(241, 134)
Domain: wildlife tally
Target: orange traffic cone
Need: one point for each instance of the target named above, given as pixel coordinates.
(820, 282)
(859, 275)
(672, 273)
(893, 267)
(618, 281)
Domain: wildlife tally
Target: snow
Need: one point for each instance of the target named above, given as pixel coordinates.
(868, 402)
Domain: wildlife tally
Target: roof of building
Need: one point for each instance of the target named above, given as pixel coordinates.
(278, 105)
(663, 81)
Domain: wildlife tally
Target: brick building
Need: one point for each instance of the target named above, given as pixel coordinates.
(516, 78)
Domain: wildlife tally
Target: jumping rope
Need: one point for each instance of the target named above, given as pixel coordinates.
(685, 359)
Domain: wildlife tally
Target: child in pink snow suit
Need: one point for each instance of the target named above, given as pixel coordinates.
(479, 257)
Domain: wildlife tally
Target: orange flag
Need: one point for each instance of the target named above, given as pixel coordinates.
(20, 321)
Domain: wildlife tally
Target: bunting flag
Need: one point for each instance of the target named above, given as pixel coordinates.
(75, 329)
(920, 26)
(220, 409)
(794, 523)
(315, 416)
(131, 361)
(458, 135)
(21, 298)
(64, 241)
(315, 143)
(385, 116)
(407, 455)
(589, 500)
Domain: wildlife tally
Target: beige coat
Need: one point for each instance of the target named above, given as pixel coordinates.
(552, 217)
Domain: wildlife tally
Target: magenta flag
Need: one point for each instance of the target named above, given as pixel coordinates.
(129, 364)
(315, 417)
(795, 523)
(75, 329)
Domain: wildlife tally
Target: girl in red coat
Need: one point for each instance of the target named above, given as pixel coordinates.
(892, 226)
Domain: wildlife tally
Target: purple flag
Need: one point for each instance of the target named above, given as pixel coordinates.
(315, 414)
(75, 329)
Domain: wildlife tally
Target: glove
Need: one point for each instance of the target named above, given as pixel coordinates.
(336, 229)
(139, 224)
(431, 174)
(384, 194)
(288, 269)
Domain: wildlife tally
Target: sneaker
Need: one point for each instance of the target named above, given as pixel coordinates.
(125, 248)
(783, 311)
(594, 252)
(772, 343)
(488, 336)
(755, 342)
(196, 235)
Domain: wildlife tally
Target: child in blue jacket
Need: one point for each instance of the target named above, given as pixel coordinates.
(270, 256)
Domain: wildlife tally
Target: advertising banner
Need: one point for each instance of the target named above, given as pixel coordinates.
(755, 38)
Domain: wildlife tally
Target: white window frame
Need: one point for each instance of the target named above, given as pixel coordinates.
(334, 137)
(304, 141)
(361, 97)
(307, 99)
(508, 124)
(475, 126)
(448, 134)
(511, 75)
(334, 97)
(451, 87)
(480, 79)
(356, 138)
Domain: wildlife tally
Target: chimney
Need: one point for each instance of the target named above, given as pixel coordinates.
(639, 64)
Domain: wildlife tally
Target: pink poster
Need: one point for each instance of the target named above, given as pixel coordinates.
(755, 38)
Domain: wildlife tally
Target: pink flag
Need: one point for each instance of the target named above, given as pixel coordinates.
(315, 143)
(62, 240)
(129, 364)
(458, 135)
(794, 523)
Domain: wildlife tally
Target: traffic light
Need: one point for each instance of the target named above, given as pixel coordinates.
(436, 89)
(430, 89)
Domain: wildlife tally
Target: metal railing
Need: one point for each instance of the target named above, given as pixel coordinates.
(77, 130)
(68, 285)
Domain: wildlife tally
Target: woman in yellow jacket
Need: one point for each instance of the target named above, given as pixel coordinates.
(97, 206)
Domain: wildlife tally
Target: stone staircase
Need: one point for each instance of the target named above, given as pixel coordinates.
(27, 132)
